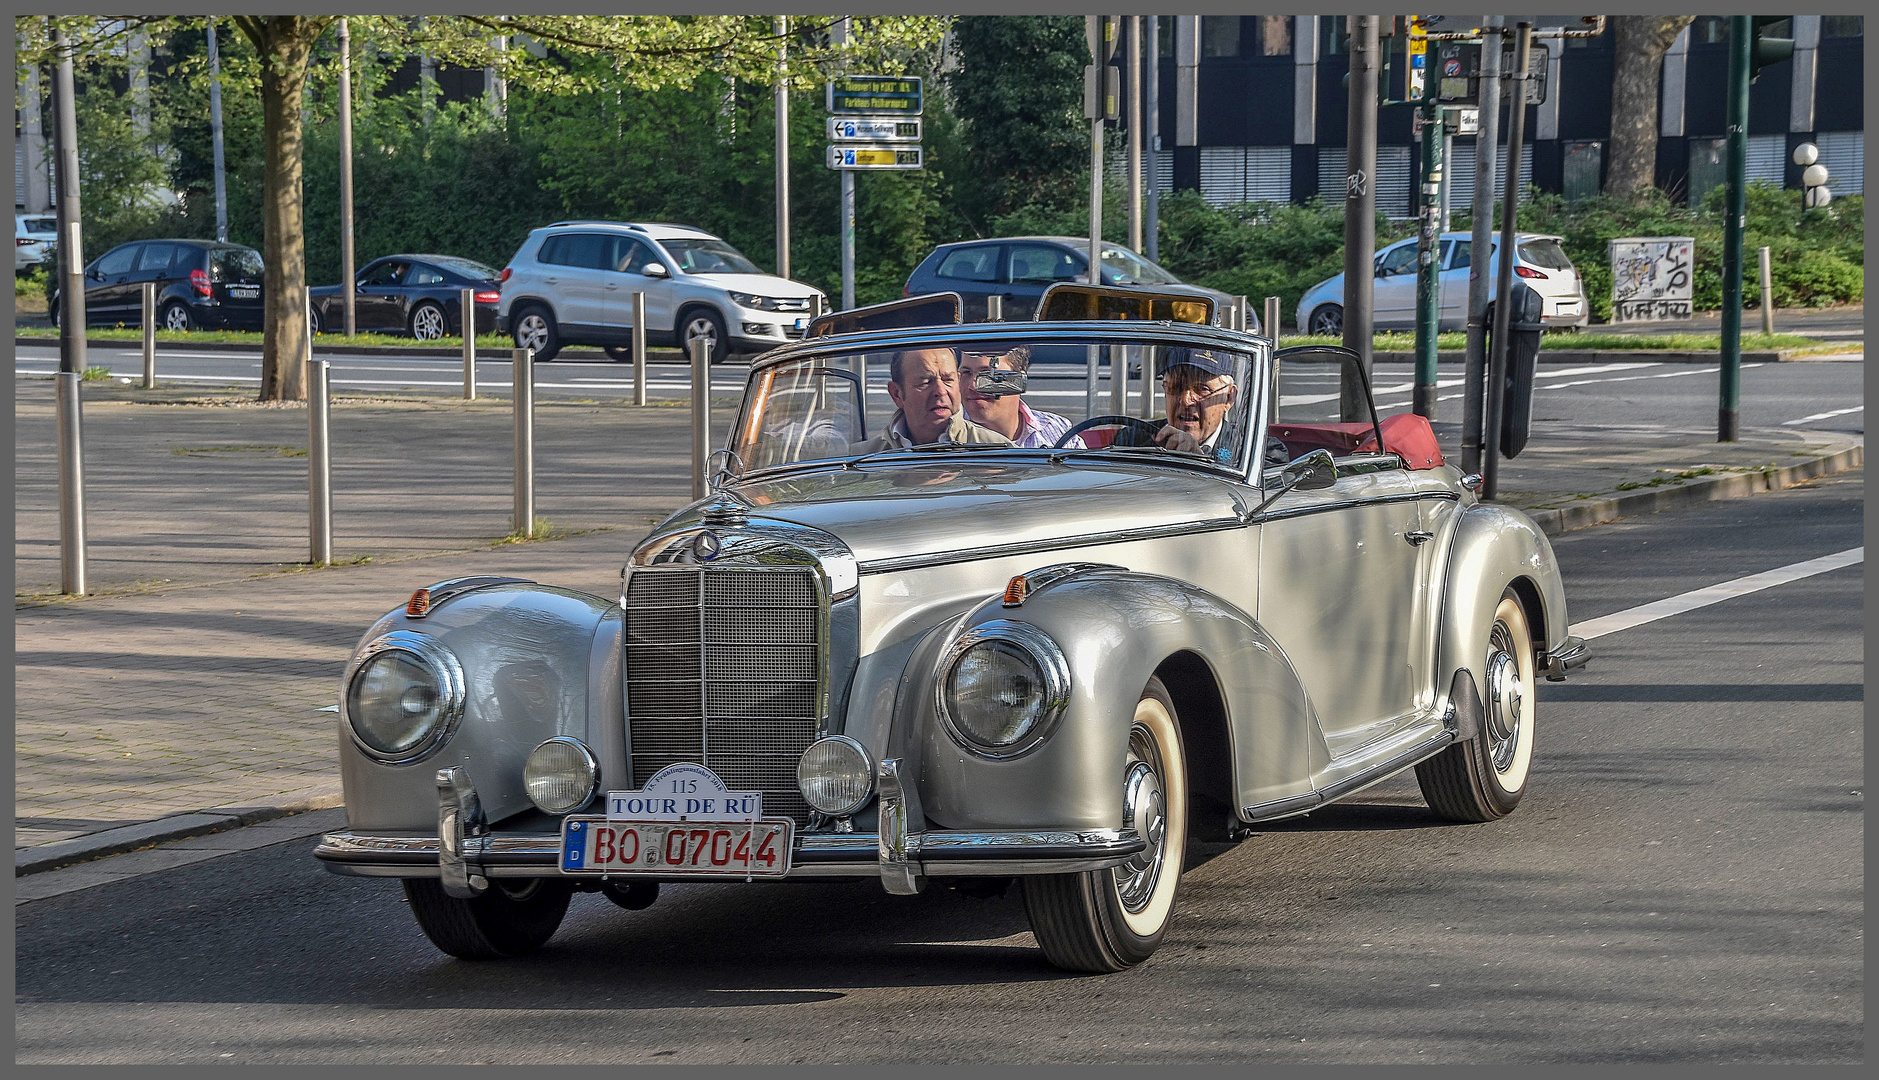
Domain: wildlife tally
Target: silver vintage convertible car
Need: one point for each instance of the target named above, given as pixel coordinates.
(950, 616)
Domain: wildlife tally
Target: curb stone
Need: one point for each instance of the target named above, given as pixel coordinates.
(1702, 489)
(143, 834)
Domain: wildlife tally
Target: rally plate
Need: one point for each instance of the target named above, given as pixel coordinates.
(742, 849)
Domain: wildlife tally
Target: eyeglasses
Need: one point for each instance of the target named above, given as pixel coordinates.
(1179, 389)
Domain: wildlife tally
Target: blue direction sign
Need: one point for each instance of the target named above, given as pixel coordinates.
(874, 129)
(879, 95)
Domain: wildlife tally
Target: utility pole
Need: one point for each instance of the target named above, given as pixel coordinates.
(1093, 29)
(348, 266)
(1135, 132)
(71, 324)
(1151, 142)
(847, 224)
(1360, 207)
(782, 151)
(1480, 263)
(1728, 412)
(38, 190)
(1504, 267)
(215, 137)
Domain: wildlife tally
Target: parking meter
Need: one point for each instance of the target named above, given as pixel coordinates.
(1523, 355)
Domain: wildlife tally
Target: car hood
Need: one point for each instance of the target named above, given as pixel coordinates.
(952, 505)
(759, 284)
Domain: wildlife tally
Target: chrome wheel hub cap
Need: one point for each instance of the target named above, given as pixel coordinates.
(1145, 811)
(1505, 704)
(177, 320)
(428, 324)
(701, 330)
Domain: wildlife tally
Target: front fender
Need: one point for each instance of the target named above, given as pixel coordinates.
(1495, 547)
(538, 661)
(1116, 629)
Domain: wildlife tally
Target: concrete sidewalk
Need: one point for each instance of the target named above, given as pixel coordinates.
(155, 709)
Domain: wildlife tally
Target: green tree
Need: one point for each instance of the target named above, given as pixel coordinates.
(1018, 93)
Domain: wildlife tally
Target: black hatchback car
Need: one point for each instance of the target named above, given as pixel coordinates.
(420, 295)
(200, 283)
(1020, 268)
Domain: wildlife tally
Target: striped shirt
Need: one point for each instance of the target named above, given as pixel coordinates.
(1041, 429)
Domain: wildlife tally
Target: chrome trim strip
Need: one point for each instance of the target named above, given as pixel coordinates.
(1298, 804)
(999, 854)
(1346, 504)
(999, 551)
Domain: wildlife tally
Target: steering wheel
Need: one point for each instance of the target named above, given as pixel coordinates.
(1135, 431)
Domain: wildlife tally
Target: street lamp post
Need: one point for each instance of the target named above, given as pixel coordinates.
(71, 326)
(347, 265)
(1360, 206)
(1728, 410)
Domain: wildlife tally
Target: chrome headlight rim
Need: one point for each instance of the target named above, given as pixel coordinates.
(1052, 665)
(867, 760)
(593, 774)
(452, 693)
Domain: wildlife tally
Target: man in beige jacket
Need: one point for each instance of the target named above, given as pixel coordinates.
(924, 386)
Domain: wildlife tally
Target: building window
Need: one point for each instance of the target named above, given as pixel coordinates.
(1842, 26)
(1275, 35)
(1334, 35)
(1220, 35)
(1166, 23)
(1710, 30)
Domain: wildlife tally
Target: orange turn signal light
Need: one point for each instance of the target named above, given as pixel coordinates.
(1014, 591)
(420, 604)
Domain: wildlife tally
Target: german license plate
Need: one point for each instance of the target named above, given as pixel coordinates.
(239, 293)
(595, 845)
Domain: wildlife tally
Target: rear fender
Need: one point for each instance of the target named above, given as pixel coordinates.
(537, 661)
(1116, 630)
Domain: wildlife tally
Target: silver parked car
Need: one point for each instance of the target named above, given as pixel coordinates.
(893, 644)
(1539, 263)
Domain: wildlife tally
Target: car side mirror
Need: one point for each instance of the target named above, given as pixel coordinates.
(95, 274)
(656, 270)
(1313, 471)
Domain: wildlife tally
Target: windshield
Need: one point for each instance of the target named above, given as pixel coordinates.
(981, 395)
(467, 267)
(709, 257)
(1124, 267)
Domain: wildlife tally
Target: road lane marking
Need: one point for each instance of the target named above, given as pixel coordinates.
(1823, 416)
(1713, 594)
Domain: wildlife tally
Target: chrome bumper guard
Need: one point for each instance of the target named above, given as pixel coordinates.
(465, 853)
(1571, 655)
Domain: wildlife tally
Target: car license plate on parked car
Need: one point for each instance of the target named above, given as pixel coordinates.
(596, 845)
(239, 293)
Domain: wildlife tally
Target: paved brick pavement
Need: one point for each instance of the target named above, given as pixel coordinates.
(135, 704)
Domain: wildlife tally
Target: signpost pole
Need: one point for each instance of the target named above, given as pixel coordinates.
(1360, 205)
(1474, 374)
(1093, 29)
(1728, 412)
(1135, 132)
(782, 151)
(215, 133)
(72, 360)
(1151, 143)
(1429, 250)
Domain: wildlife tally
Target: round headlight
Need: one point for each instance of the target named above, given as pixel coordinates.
(835, 775)
(561, 775)
(1004, 685)
(404, 697)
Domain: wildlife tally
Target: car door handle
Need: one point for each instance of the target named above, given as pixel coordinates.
(1418, 536)
(551, 281)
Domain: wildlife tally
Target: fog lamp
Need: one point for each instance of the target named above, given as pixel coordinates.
(561, 775)
(835, 775)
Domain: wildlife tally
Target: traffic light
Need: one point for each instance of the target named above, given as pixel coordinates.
(1765, 49)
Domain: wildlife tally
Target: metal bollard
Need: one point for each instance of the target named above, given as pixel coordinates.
(469, 344)
(71, 486)
(1271, 323)
(995, 308)
(1119, 380)
(524, 398)
(149, 331)
(1236, 314)
(1092, 358)
(639, 348)
(1768, 295)
(319, 464)
(1148, 385)
(701, 414)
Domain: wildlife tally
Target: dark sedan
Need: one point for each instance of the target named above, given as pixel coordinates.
(199, 283)
(420, 295)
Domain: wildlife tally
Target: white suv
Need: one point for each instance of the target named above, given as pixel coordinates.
(572, 283)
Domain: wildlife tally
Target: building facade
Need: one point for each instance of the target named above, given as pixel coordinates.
(1253, 107)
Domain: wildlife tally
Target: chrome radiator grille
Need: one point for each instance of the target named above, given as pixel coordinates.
(724, 668)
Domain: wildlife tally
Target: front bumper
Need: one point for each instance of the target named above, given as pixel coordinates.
(817, 855)
(1572, 654)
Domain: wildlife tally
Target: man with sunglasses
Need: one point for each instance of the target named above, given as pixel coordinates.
(991, 382)
(1199, 389)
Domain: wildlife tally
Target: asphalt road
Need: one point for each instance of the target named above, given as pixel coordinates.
(1682, 884)
(1818, 395)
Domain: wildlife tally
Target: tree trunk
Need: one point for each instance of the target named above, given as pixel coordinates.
(285, 43)
(1639, 42)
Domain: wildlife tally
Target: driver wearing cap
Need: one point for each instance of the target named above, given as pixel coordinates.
(1199, 389)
